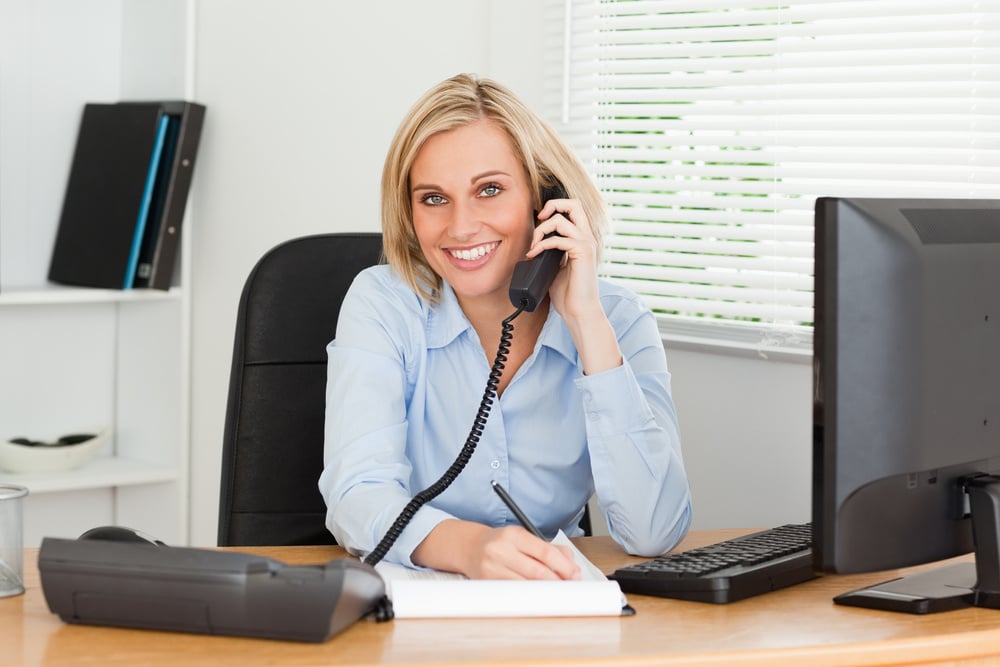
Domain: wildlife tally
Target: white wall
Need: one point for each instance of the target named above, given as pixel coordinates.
(302, 100)
(746, 426)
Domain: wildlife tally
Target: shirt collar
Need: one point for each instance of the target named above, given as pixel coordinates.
(445, 319)
(446, 322)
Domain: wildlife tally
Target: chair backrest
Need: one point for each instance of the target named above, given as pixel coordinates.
(272, 454)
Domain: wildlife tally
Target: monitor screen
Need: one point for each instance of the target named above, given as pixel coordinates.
(906, 384)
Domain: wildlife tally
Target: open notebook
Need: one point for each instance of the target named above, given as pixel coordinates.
(433, 594)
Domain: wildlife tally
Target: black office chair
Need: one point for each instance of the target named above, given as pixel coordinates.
(272, 454)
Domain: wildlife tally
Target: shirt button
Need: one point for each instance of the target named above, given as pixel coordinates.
(494, 464)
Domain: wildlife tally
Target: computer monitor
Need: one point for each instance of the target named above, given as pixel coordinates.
(906, 382)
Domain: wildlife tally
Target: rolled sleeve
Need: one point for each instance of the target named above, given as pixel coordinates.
(634, 442)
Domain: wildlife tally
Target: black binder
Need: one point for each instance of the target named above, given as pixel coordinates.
(126, 193)
(158, 253)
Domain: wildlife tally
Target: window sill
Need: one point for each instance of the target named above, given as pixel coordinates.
(790, 346)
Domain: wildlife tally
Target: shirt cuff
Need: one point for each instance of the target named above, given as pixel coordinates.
(613, 402)
(423, 522)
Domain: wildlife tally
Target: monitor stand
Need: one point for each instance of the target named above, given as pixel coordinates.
(950, 586)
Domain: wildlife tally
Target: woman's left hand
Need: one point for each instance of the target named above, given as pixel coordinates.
(574, 292)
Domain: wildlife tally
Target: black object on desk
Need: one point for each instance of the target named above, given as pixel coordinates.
(141, 585)
(726, 571)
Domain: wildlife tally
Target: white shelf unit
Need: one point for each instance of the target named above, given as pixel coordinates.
(77, 359)
(101, 473)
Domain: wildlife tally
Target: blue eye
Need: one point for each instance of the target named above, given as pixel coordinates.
(490, 190)
(432, 200)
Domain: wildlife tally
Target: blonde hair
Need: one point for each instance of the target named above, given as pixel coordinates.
(455, 102)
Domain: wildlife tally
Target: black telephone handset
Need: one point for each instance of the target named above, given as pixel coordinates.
(528, 287)
(532, 277)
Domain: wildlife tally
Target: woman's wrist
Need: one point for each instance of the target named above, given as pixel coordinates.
(596, 343)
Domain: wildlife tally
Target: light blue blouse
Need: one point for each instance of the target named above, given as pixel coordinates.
(406, 379)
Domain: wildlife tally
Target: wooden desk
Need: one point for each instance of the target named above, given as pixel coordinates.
(796, 626)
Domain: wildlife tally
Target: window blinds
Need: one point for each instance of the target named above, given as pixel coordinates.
(711, 127)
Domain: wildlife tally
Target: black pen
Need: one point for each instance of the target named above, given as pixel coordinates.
(521, 516)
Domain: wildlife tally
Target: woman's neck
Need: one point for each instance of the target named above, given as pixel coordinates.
(487, 319)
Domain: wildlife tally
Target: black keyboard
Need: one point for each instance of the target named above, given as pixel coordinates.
(726, 571)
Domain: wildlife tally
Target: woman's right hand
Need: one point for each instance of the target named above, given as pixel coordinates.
(481, 552)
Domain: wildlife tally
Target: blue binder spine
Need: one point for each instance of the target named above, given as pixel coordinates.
(147, 198)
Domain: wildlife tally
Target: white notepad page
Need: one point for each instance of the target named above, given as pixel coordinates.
(434, 594)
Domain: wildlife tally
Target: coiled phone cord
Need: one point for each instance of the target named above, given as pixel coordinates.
(478, 425)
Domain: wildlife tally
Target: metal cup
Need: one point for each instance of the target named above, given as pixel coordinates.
(11, 539)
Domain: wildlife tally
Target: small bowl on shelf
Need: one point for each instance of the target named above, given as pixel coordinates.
(68, 452)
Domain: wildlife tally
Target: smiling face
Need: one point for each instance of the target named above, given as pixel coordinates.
(472, 209)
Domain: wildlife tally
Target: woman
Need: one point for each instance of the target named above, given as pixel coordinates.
(583, 404)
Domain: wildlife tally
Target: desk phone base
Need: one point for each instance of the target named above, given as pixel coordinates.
(138, 585)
